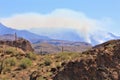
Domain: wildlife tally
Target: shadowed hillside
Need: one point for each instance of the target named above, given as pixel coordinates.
(100, 63)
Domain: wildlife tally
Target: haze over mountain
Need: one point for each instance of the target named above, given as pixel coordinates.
(83, 19)
(21, 33)
(63, 24)
(67, 34)
(94, 38)
(59, 33)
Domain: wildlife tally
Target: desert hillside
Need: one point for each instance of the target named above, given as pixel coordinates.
(19, 62)
(102, 62)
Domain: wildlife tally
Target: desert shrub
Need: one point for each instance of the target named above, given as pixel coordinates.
(62, 56)
(7, 64)
(14, 52)
(67, 56)
(4, 78)
(74, 55)
(25, 63)
(10, 61)
(7, 69)
(31, 55)
(10, 51)
(47, 62)
(41, 78)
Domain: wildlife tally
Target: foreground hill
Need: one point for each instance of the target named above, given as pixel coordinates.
(100, 63)
(16, 64)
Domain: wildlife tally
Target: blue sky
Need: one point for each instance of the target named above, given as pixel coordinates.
(100, 10)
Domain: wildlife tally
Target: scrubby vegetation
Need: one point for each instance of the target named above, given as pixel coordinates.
(17, 64)
(25, 63)
(104, 59)
(31, 55)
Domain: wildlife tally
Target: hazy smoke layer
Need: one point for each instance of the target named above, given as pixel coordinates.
(57, 19)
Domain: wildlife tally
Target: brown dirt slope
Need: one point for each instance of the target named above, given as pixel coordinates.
(102, 62)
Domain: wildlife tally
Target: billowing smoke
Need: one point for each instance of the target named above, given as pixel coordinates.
(60, 18)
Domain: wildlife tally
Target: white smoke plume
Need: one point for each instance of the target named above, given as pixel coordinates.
(60, 18)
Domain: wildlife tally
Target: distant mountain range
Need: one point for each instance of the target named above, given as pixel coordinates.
(20, 33)
(99, 37)
(94, 38)
(41, 34)
(55, 46)
(48, 45)
(58, 33)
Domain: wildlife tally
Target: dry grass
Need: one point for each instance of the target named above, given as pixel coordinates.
(24, 63)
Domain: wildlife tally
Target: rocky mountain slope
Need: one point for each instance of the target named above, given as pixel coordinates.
(94, 38)
(100, 63)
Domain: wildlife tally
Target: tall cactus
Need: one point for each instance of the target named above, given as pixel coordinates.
(16, 41)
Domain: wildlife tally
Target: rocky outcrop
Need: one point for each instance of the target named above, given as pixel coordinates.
(102, 63)
(20, 43)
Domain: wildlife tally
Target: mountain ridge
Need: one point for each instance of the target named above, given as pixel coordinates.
(22, 33)
(94, 38)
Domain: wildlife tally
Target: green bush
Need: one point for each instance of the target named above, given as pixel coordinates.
(10, 61)
(4, 78)
(41, 78)
(63, 56)
(31, 55)
(7, 69)
(67, 56)
(10, 51)
(7, 64)
(25, 63)
(47, 62)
